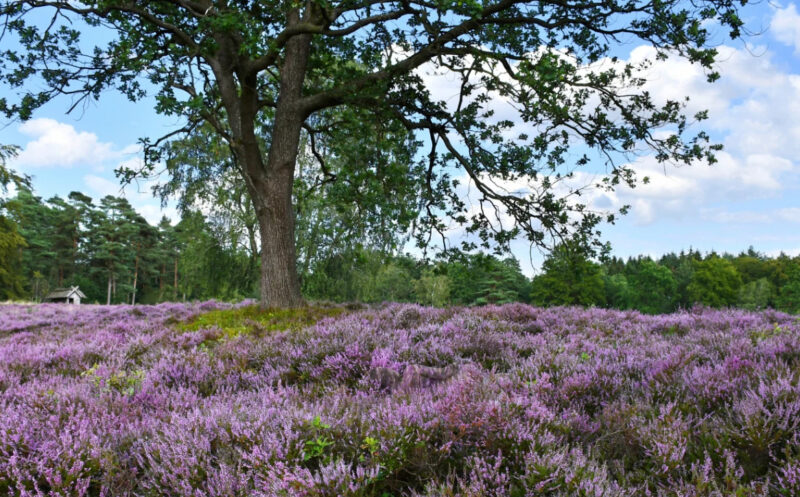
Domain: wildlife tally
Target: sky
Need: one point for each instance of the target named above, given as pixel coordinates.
(751, 197)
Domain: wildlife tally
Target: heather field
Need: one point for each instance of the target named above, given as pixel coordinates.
(217, 400)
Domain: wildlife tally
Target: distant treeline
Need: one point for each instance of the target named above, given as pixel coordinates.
(569, 276)
(749, 280)
(116, 256)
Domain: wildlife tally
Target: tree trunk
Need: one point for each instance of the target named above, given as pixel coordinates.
(280, 286)
(269, 182)
(175, 283)
(311, 250)
(270, 185)
(251, 238)
(135, 278)
(108, 298)
(161, 282)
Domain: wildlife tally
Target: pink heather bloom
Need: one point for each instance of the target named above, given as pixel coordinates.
(118, 401)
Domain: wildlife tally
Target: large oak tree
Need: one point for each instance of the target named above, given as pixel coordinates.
(263, 73)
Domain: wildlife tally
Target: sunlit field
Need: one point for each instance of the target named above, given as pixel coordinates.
(217, 400)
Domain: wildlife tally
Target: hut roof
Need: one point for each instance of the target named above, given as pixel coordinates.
(63, 293)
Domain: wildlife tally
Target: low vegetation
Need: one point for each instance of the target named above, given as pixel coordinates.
(251, 319)
(218, 400)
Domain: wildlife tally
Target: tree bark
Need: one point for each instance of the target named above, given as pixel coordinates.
(251, 239)
(280, 286)
(271, 184)
(108, 297)
(161, 282)
(135, 279)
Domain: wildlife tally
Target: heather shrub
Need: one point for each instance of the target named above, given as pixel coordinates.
(787, 477)
(217, 400)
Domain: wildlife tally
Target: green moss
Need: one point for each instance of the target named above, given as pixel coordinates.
(253, 319)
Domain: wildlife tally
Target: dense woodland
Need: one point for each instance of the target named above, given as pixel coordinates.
(116, 256)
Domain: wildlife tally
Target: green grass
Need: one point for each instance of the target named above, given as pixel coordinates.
(253, 319)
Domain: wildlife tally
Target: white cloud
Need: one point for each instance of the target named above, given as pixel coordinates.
(753, 111)
(754, 103)
(61, 145)
(675, 79)
(153, 213)
(781, 216)
(133, 148)
(754, 108)
(786, 26)
(789, 214)
(102, 186)
(681, 192)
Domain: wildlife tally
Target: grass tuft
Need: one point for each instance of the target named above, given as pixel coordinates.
(254, 319)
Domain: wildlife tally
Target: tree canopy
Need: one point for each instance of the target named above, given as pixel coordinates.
(715, 282)
(11, 277)
(569, 278)
(261, 75)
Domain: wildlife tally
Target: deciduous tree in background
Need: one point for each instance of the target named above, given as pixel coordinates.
(12, 280)
(715, 282)
(654, 287)
(11, 242)
(263, 73)
(756, 295)
(789, 299)
(619, 294)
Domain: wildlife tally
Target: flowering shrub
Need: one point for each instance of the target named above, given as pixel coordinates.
(214, 400)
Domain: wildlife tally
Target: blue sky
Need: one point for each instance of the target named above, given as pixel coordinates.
(751, 197)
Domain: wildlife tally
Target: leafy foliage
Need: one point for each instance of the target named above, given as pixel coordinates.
(432, 289)
(11, 276)
(756, 295)
(790, 292)
(482, 279)
(11, 242)
(715, 282)
(7, 175)
(619, 294)
(569, 278)
(344, 79)
(654, 287)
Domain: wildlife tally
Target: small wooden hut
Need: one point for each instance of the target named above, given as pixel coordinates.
(71, 295)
